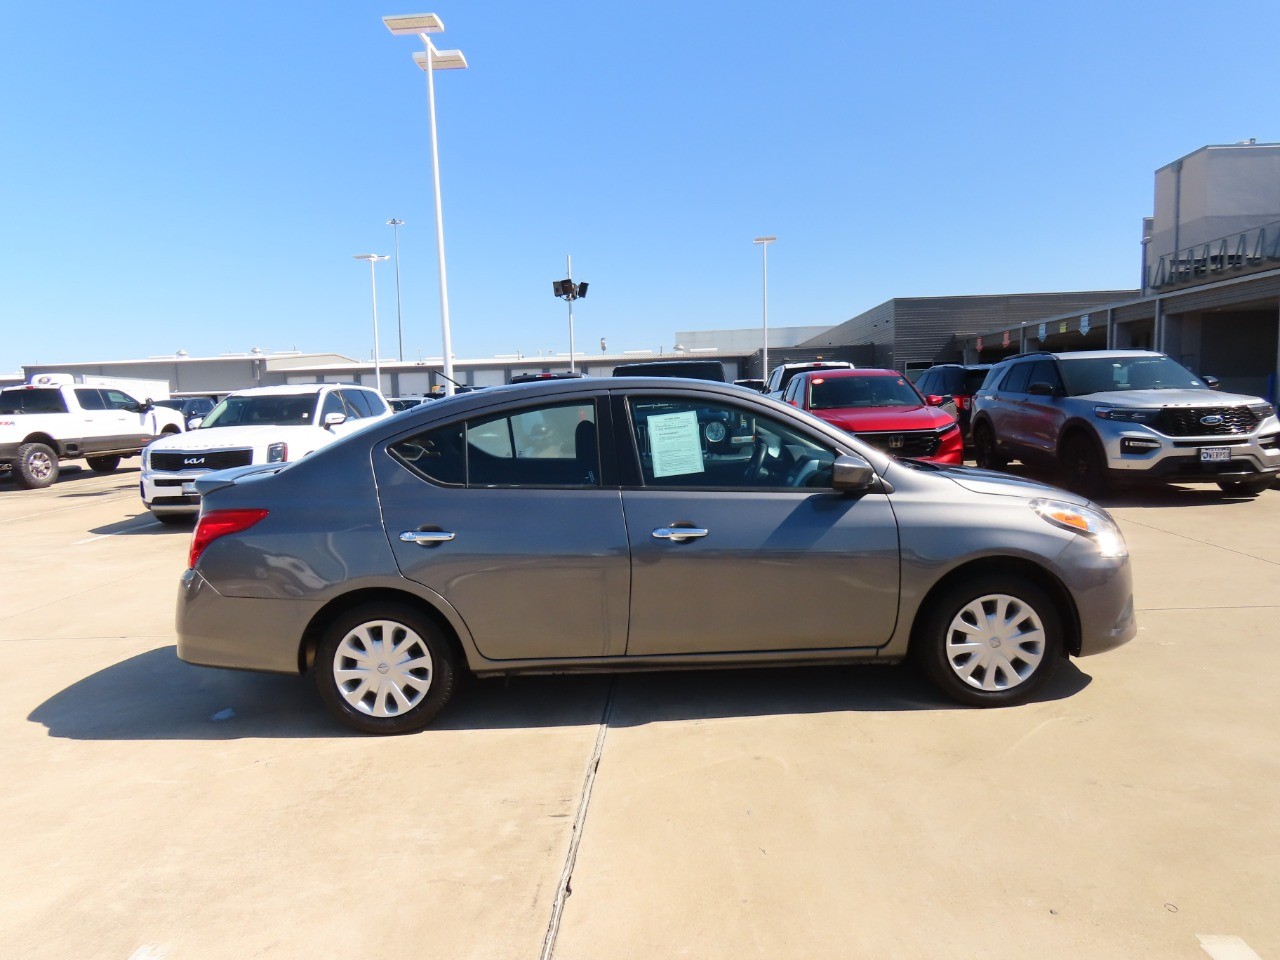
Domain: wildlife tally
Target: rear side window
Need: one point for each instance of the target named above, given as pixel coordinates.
(33, 401)
(1016, 379)
(555, 446)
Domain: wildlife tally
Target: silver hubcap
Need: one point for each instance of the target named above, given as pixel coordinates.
(382, 668)
(995, 642)
(40, 466)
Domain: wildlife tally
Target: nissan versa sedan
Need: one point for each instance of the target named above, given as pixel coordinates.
(609, 524)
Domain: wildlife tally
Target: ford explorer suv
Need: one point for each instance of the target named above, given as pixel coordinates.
(1108, 417)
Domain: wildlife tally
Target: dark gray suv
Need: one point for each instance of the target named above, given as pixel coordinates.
(1112, 416)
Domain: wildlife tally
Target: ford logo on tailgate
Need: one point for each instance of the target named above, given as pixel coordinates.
(196, 461)
(1212, 420)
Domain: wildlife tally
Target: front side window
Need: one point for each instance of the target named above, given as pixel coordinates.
(554, 445)
(119, 401)
(332, 404)
(682, 443)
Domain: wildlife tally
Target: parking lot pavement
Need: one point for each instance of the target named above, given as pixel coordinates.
(155, 809)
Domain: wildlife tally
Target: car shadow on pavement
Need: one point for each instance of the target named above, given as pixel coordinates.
(1147, 495)
(156, 696)
(143, 525)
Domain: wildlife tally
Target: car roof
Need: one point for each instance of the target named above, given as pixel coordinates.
(293, 389)
(840, 373)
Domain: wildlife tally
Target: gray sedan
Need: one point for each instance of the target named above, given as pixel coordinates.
(614, 524)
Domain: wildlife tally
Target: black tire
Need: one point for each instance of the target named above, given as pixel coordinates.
(1246, 488)
(1084, 469)
(985, 452)
(102, 464)
(36, 466)
(998, 679)
(368, 703)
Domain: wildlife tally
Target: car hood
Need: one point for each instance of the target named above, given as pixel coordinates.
(300, 439)
(877, 419)
(996, 484)
(1171, 398)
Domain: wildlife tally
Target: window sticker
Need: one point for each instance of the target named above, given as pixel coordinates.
(674, 443)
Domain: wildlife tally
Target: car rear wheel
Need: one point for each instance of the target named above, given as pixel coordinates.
(990, 642)
(102, 464)
(1084, 469)
(36, 466)
(384, 668)
(1246, 488)
(985, 452)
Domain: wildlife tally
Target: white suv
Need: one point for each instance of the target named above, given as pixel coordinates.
(262, 425)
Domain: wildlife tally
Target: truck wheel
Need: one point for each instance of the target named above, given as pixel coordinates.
(36, 466)
(103, 464)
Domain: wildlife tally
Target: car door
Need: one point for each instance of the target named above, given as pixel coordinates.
(1042, 415)
(773, 558)
(137, 427)
(508, 517)
(104, 428)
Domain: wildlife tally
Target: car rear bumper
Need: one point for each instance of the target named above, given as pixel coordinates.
(237, 632)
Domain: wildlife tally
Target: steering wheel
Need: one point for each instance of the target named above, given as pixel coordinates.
(756, 466)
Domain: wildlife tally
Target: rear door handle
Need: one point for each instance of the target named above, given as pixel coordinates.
(679, 534)
(427, 538)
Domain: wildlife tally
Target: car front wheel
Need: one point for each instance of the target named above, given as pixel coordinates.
(384, 668)
(103, 464)
(991, 641)
(1246, 488)
(1084, 469)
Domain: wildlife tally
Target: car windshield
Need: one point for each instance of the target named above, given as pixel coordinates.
(291, 411)
(1087, 375)
(833, 393)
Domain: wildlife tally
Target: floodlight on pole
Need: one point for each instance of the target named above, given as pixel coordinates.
(569, 291)
(395, 226)
(373, 258)
(764, 249)
(431, 60)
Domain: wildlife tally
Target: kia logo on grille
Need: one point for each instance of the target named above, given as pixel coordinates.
(192, 461)
(1212, 420)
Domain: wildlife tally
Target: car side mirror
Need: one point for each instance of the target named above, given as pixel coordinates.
(333, 419)
(851, 474)
(936, 400)
(1213, 383)
(1042, 389)
(194, 423)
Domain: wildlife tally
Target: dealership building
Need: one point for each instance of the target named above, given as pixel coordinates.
(1210, 298)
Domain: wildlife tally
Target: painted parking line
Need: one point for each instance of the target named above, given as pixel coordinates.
(1226, 947)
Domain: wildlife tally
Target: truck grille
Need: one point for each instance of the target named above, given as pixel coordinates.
(903, 443)
(1189, 421)
(200, 459)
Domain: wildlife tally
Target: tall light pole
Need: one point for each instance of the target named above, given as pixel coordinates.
(569, 291)
(432, 60)
(373, 258)
(764, 249)
(395, 226)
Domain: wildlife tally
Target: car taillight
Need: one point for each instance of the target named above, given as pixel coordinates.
(219, 523)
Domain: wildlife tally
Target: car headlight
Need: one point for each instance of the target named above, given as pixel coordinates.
(1094, 524)
(277, 453)
(1125, 414)
(1262, 410)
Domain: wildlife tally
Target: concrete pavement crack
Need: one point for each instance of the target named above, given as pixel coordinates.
(579, 822)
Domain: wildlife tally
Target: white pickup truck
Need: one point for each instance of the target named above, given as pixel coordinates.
(53, 419)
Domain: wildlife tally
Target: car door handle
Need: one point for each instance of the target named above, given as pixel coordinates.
(679, 534)
(427, 538)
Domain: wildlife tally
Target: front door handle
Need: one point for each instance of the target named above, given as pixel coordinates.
(427, 538)
(679, 534)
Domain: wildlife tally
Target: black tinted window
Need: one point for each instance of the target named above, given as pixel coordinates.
(91, 398)
(1044, 371)
(1016, 379)
(118, 400)
(357, 407)
(33, 401)
(377, 405)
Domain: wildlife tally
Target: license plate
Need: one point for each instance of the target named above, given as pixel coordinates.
(188, 487)
(1213, 454)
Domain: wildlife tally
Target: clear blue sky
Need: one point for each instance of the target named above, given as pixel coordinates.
(198, 176)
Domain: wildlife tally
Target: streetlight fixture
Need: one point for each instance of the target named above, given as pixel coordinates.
(395, 226)
(373, 258)
(430, 61)
(764, 249)
(569, 291)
